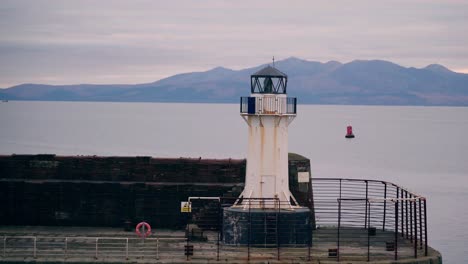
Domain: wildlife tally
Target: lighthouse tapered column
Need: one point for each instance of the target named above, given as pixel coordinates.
(266, 212)
(268, 113)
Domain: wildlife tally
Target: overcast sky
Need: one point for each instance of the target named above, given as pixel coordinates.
(116, 41)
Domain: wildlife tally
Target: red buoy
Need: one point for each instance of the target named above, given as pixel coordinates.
(349, 132)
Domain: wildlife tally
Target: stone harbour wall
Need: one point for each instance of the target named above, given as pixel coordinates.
(115, 191)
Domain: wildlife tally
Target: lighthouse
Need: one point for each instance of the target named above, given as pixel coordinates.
(268, 112)
(266, 212)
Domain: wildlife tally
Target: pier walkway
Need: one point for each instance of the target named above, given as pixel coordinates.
(38, 244)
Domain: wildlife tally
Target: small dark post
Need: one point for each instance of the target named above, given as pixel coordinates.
(220, 228)
(420, 225)
(396, 228)
(411, 218)
(250, 231)
(309, 233)
(402, 215)
(367, 195)
(339, 225)
(310, 201)
(187, 247)
(425, 227)
(295, 105)
(340, 189)
(368, 233)
(397, 197)
(415, 238)
(385, 206)
(277, 228)
(406, 214)
(241, 102)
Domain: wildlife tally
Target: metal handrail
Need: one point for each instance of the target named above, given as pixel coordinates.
(64, 251)
(368, 180)
(347, 203)
(345, 210)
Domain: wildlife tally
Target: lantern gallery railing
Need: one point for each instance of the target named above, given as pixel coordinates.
(268, 105)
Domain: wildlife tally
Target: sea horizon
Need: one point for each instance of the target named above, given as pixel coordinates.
(420, 148)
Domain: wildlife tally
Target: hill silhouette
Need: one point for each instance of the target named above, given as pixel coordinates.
(361, 82)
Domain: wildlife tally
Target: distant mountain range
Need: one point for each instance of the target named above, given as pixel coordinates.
(361, 82)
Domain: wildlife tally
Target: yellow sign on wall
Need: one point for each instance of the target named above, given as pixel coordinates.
(185, 207)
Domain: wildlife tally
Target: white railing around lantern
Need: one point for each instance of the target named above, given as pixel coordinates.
(268, 105)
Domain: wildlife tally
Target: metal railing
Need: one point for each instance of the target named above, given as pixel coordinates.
(268, 105)
(362, 220)
(386, 218)
(90, 247)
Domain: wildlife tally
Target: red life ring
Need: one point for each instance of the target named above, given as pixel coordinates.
(146, 226)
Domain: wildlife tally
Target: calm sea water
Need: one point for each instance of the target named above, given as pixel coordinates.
(422, 148)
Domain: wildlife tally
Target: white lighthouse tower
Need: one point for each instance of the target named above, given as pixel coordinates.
(266, 212)
(268, 112)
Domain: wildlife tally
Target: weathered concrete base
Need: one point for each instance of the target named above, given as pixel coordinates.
(266, 228)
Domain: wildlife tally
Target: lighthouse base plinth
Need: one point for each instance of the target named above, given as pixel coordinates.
(266, 227)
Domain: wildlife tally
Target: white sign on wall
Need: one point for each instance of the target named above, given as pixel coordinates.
(303, 176)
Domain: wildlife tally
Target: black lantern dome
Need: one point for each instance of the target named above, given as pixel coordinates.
(268, 80)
